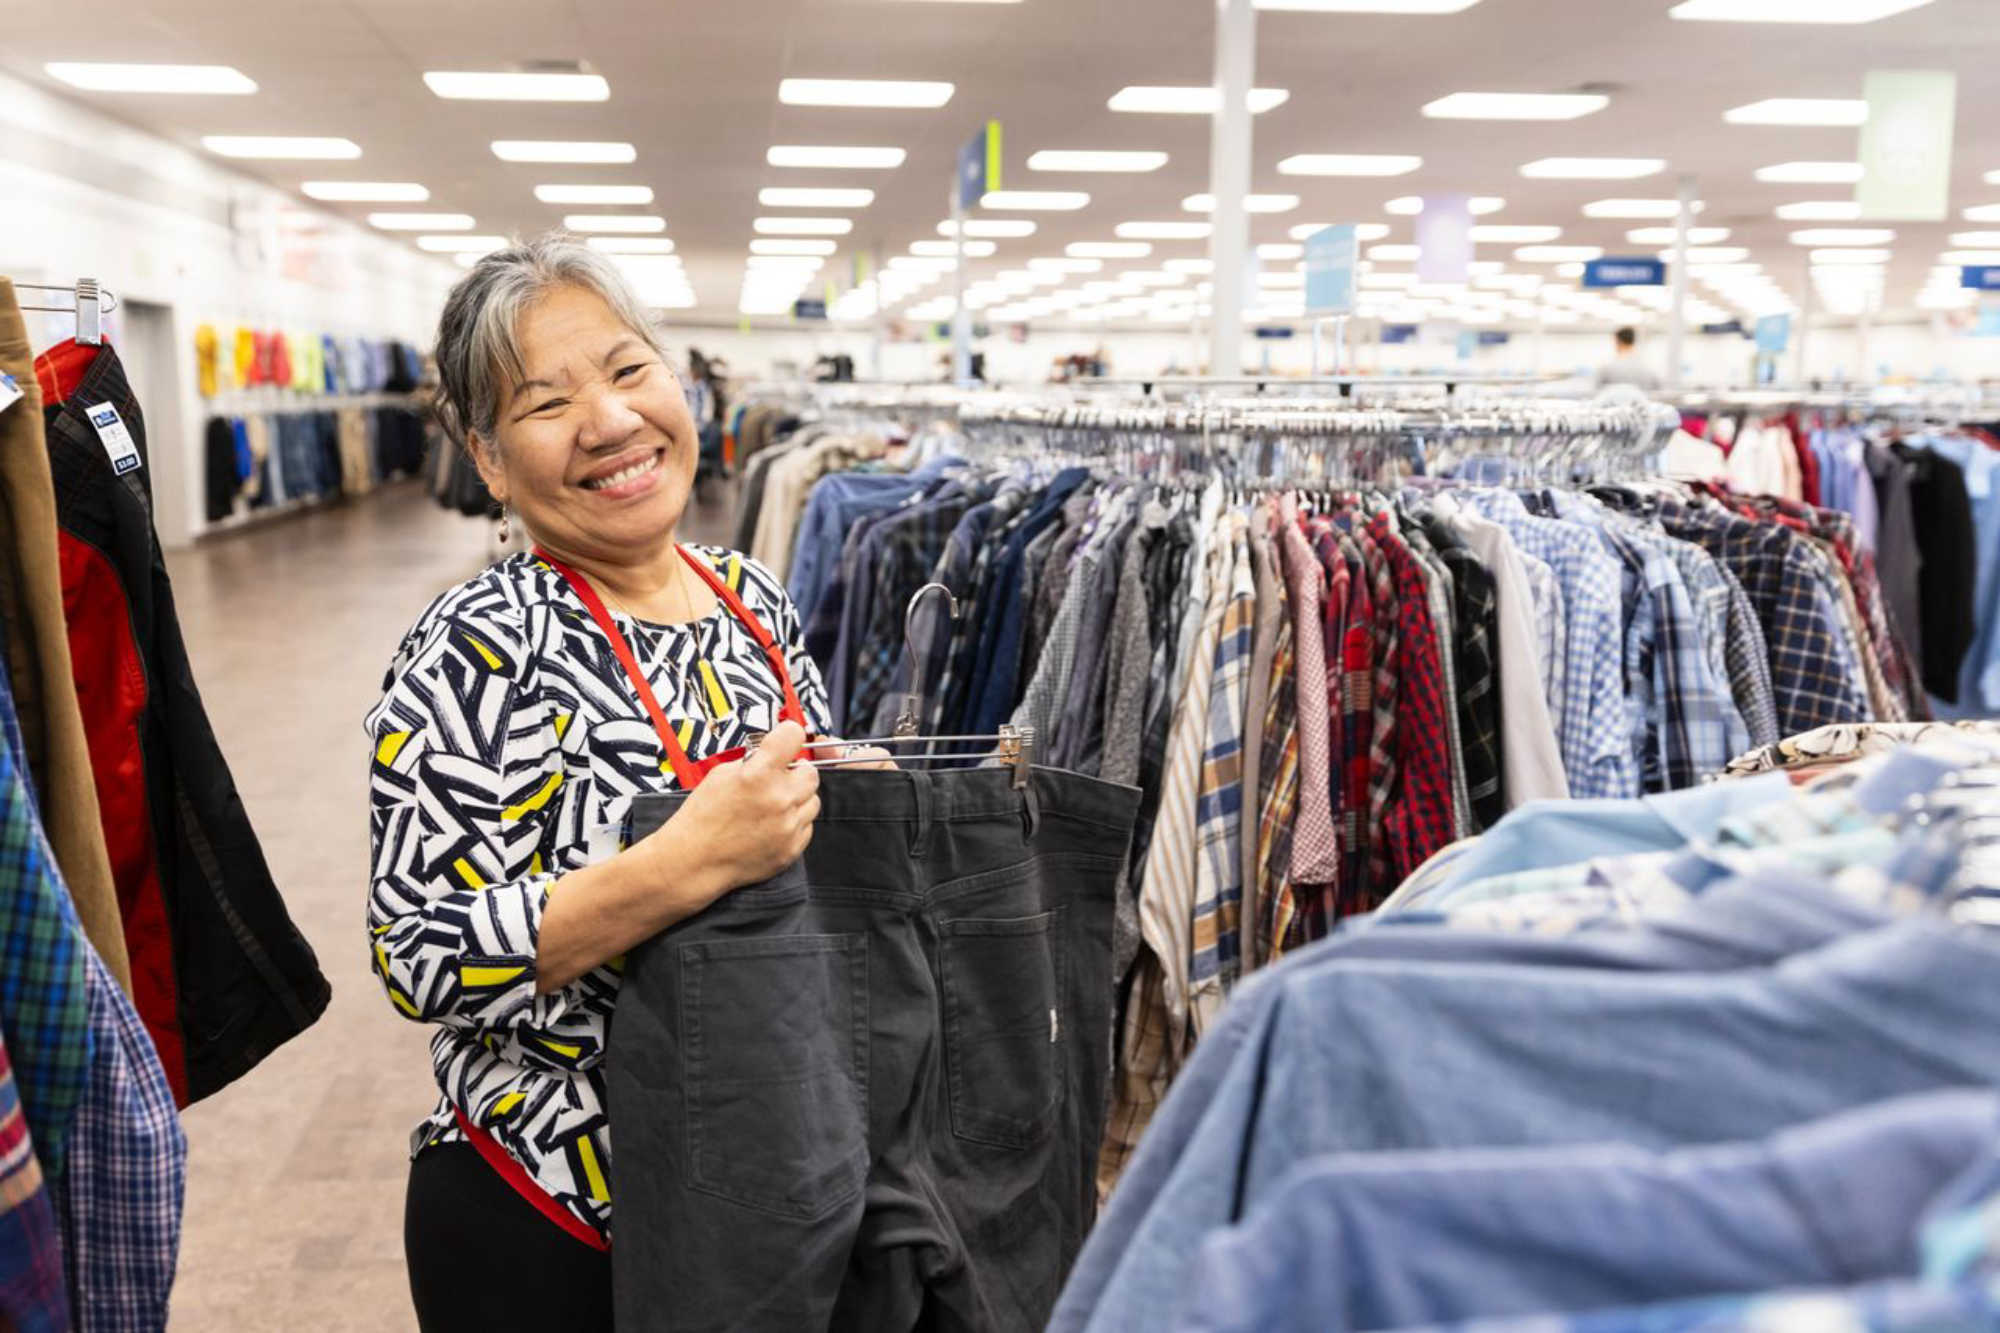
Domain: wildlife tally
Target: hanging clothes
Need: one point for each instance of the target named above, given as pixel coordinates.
(220, 974)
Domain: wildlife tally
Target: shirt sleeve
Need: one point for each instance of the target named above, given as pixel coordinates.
(463, 777)
(790, 634)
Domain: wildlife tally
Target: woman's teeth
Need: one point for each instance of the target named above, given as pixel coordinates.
(624, 474)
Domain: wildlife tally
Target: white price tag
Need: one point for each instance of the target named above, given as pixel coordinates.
(10, 392)
(116, 439)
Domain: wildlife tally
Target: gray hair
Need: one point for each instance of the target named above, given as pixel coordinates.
(478, 348)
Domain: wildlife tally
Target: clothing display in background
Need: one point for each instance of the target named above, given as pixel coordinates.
(306, 455)
(219, 973)
(1379, 1134)
(1455, 637)
(868, 1093)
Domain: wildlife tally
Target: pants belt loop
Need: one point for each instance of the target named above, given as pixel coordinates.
(1031, 811)
(923, 797)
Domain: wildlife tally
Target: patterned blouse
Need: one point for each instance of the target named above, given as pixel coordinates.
(507, 748)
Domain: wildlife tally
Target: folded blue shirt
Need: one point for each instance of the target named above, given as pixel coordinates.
(1382, 1240)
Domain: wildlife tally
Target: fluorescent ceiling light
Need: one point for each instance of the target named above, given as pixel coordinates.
(1071, 264)
(366, 192)
(1976, 239)
(477, 86)
(1035, 201)
(1800, 111)
(1368, 6)
(625, 222)
(1635, 208)
(1349, 164)
(563, 150)
(1821, 257)
(991, 228)
(1593, 168)
(1983, 213)
(973, 249)
(1514, 235)
(781, 196)
(1052, 159)
(1193, 267)
(1252, 203)
(1515, 106)
(594, 194)
(111, 78)
(1387, 280)
(1844, 236)
(1667, 235)
(1108, 249)
(1711, 254)
(1190, 101)
(860, 159)
(1963, 257)
(862, 92)
(632, 245)
(1278, 250)
(1811, 173)
(1281, 279)
(1393, 254)
(466, 258)
(1820, 210)
(421, 221)
(1558, 254)
(802, 226)
(1164, 231)
(1410, 205)
(785, 263)
(1792, 11)
(279, 146)
(765, 245)
(452, 245)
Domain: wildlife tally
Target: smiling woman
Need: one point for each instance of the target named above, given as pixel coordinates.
(508, 746)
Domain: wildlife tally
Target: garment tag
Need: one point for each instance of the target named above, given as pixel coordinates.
(116, 439)
(10, 392)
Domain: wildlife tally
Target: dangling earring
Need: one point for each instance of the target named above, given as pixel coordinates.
(506, 522)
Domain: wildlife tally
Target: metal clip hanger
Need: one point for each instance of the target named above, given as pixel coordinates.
(88, 302)
(1012, 746)
(911, 716)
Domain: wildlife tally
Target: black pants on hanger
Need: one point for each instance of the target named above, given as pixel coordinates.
(867, 1094)
(483, 1260)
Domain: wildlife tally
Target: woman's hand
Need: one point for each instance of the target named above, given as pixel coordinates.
(751, 820)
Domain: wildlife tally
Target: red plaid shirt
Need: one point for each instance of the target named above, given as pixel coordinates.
(1421, 819)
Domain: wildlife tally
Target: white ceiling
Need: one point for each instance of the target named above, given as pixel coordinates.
(694, 86)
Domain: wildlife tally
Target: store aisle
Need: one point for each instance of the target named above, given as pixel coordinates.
(295, 1174)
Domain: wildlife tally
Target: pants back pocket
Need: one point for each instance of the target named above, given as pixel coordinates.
(1004, 1027)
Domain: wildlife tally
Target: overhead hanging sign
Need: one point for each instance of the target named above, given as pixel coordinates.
(1906, 146)
(1399, 333)
(1725, 326)
(1331, 255)
(1274, 332)
(1637, 271)
(806, 308)
(978, 166)
(1980, 277)
(1774, 333)
(1444, 238)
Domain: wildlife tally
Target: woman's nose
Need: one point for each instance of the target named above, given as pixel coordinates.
(608, 420)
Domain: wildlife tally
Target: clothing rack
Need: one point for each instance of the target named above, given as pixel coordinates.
(1344, 384)
(87, 301)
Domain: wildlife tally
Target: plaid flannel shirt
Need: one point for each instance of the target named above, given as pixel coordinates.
(1421, 819)
(1357, 688)
(1597, 755)
(1383, 741)
(1811, 685)
(43, 1006)
(1315, 852)
(1144, 1070)
(1474, 609)
(901, 551)
(1281, 796)
(32, 1292)
(965, 568)
(1217, 961)
(1443, 593)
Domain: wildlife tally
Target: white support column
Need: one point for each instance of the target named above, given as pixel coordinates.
(961, 318)
(1229, 181)
(1804, 329)
(1677, 329)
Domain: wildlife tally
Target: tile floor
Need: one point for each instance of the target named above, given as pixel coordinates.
(295, 1173)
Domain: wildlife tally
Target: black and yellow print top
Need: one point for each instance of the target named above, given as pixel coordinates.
(505, 752)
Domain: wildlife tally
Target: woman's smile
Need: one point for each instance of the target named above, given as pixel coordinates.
(628, 477)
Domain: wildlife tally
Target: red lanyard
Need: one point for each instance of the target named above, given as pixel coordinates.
(687, 772)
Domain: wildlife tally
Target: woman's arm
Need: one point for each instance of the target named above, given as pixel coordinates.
(743, 824)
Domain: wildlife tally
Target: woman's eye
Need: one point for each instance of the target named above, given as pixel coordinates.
(543, 409)
(627, 372)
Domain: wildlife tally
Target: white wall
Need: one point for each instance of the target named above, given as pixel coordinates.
(89, 196)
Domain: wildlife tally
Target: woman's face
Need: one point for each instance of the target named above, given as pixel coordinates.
(594, 448)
